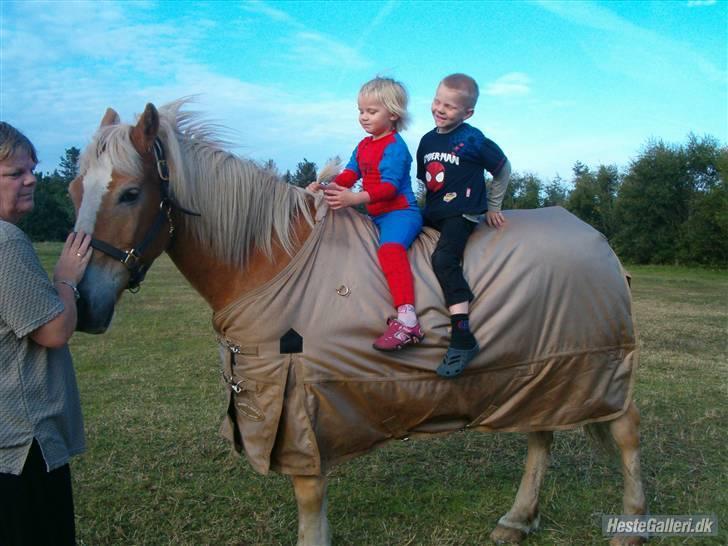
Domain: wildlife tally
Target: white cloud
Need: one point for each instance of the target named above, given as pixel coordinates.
(587, 14)
(100, 32)
(103, 56)
(256, 6)
(367, 30)
(262, 121)
(313, 49)
(701, 3)
(641, 53)
(508, 85)
(381, 16)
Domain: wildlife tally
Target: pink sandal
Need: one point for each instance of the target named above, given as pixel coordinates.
(397, 335)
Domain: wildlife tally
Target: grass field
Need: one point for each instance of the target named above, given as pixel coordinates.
(156, 471)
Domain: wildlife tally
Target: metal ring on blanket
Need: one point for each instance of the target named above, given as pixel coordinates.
(236, 386)
(343, 290)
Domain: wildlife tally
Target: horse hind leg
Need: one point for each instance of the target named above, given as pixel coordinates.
(313, 525)
(523, 517)
(626, 433)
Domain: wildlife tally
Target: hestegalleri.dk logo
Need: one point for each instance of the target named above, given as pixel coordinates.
(700, 525)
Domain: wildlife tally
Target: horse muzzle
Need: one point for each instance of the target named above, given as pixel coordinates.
(99, 292)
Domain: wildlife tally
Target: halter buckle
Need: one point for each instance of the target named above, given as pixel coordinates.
(166, 206)
(162, 169)
(130, 256)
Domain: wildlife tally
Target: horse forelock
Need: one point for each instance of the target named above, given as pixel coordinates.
(112, 143)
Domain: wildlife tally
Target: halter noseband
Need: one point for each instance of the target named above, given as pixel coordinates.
(132, 258)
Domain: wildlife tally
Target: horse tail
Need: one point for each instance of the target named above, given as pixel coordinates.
(600, 437)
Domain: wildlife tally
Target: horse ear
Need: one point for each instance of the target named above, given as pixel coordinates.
(146, 129)
(110, 118)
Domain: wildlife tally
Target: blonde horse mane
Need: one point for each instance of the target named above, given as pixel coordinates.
(242, 205)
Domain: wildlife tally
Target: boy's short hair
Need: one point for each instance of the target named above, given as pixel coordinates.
(392, 95)
(13, 141)
(465, 84)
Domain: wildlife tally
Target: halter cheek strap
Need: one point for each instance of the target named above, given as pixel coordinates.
(132, 258)
(163, 172)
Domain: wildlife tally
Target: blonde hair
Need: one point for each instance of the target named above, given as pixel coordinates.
(467, 86)
(392, 95)
(12, 141)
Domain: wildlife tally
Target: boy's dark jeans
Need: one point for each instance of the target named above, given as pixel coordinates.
(36, 508)
(448, 256)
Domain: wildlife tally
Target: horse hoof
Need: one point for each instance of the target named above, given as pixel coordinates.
(627, 541)
(507, 535)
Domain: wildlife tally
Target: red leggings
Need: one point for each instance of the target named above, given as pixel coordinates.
(396, 267)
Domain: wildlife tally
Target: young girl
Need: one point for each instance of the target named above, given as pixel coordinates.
(383, 163)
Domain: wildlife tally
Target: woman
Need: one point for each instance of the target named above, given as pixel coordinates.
(40, 412)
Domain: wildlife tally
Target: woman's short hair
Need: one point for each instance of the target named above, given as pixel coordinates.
(466, 85)
(392, 95)
(13, 141)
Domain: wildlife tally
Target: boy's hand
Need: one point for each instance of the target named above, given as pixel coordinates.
(313, 187)
(338, 197)
(495, 219)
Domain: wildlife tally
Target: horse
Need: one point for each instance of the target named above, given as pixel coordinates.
(167, 184)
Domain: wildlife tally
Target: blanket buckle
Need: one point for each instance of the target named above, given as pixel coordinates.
(236, 386)
(229, 345)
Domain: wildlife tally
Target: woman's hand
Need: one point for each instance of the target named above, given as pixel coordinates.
(74, 258)
(69, 271)
(313, 187)
(338, 197)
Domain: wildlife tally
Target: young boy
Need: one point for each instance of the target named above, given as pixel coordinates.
(450, 161)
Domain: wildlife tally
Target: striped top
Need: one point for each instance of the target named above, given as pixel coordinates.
(38, 392)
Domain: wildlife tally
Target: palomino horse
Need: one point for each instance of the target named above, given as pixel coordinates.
(232, 228)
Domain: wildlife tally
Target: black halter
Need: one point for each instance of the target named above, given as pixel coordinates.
(132, 258)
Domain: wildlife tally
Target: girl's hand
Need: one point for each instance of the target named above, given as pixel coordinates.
(338, 197)
(74, 258)
(313, 187)
(495, 219)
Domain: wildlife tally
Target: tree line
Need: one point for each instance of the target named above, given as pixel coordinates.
(670, 205)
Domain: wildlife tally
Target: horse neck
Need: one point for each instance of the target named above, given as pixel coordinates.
(220, 283)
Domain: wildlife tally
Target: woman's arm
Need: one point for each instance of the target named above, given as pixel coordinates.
(69, 271)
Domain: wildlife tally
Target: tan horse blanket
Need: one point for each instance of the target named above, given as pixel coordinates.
(552, 315)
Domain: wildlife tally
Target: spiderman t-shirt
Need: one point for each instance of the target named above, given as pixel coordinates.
(452, 167)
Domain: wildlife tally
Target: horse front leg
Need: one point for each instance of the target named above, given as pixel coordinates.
(523, 517)
(313, 525)
(626, 433)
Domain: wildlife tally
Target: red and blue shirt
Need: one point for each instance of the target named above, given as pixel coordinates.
(383, 165)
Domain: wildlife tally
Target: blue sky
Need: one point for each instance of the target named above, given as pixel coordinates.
(560, 81)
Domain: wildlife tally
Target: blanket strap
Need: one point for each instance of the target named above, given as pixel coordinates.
(230, 423)
(231, 346)
(291, 342)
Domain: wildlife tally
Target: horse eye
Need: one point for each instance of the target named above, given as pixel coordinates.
(130, 196)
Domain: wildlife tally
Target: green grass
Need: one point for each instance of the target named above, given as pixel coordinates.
(156, 471)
